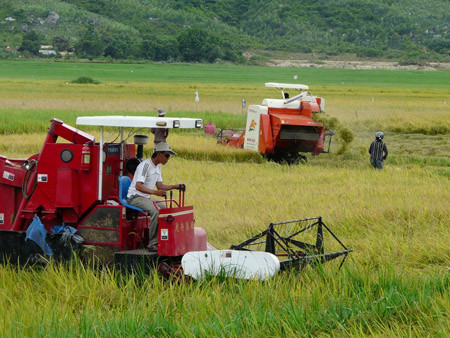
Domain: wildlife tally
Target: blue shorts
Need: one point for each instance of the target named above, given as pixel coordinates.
(376, 163)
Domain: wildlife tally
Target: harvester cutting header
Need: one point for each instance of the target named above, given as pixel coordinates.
(281, 129)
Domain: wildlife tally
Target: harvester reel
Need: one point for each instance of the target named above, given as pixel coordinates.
(286, 240)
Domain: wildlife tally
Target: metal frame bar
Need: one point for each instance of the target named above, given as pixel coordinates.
(121, 151)
(307, 253)
(330, 136)
(100, 166)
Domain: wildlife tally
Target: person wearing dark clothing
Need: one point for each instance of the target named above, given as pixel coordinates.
(378, 151)
(160, 133)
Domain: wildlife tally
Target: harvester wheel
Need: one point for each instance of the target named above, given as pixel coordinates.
(289, 158)
(303, 159)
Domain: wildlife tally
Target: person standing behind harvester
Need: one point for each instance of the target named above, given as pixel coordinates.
(146, 177)
(160, 133)
(378, 151)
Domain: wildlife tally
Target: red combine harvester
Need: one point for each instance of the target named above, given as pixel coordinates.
(281, 129)
(80, 185)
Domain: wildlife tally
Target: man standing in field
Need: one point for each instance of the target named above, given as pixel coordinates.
(146, 177)
(160, 133)
(378, 151)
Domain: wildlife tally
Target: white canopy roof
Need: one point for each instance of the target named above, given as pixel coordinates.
(286, 86)
(139, 122)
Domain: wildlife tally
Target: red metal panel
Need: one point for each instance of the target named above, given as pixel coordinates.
(67, 193)
(62, 184)
(7, 205)
(265, 135)
(58, 128)
(111, 170)
(200, 243)
(176, 231)
(284, 111)
(280, 119)
(319, 146)
(11, 172)
(307, 108)
(11, 178)
(133, 232)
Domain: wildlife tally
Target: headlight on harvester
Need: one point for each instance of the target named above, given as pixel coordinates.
(198, 123)
(176, 123)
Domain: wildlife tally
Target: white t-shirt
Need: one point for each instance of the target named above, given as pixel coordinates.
(147, 173)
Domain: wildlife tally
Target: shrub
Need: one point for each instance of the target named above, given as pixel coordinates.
(85, 80)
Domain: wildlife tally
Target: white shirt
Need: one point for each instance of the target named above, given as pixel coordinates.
(147, 173)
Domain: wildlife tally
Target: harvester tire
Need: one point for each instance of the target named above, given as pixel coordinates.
(287, 158)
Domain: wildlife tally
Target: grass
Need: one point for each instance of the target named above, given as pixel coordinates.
(202, 73)
(397, 110)
(396, 282)
(78, 301)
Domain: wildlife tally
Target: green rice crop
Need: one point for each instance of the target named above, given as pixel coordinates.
(73, 300)
(203, 73)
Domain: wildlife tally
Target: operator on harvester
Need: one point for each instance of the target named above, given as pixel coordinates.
(378, 151)
(146, 177)
(160, 133)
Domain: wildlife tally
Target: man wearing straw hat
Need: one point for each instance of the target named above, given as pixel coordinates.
(142, 187)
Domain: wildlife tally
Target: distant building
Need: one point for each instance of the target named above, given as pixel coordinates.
(47, 52)
(8, 49)
(10, 19)
(64, 54)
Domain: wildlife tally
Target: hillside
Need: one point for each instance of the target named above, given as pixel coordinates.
(213, 30)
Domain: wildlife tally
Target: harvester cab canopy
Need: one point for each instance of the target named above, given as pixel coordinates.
(122, 122)
(139, 122)
(299, 87)
(291, 102)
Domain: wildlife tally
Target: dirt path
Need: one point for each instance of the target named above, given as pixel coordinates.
(357, 65)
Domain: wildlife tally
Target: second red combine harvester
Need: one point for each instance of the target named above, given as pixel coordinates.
(281, 129)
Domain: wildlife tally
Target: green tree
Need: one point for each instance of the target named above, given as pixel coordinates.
(90, 43)
(61, 43)
(166, 49)
(440, 45)
(192, 44)
(30, 43)
(162, 48)
(148, 48)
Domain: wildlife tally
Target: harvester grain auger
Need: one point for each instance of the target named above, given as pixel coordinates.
(72, 196)
(282, 129)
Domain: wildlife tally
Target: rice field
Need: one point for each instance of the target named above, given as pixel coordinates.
(396, 282)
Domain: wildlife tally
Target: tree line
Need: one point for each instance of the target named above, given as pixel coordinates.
(215, 30)
(191, 45)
